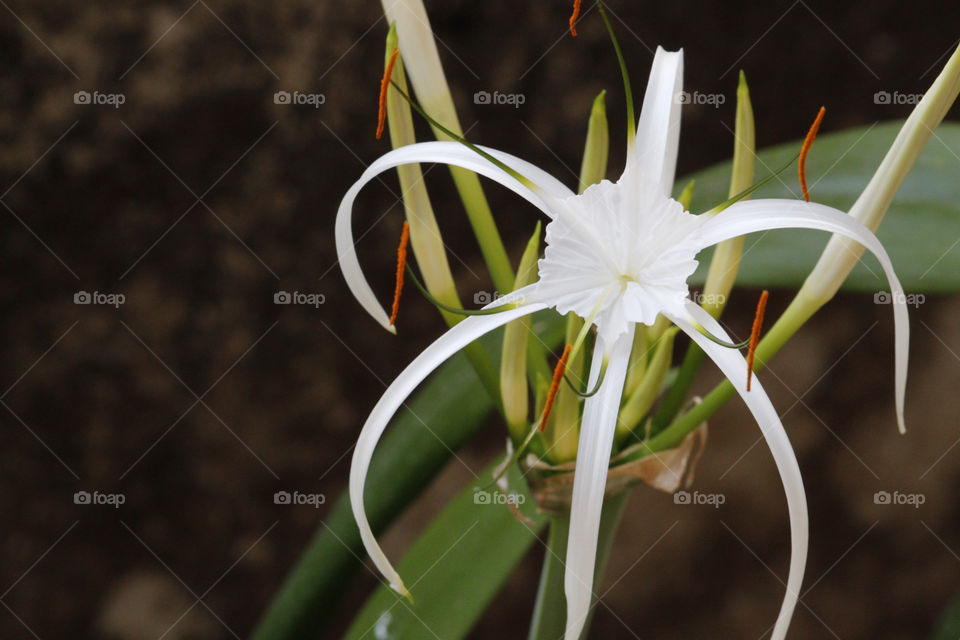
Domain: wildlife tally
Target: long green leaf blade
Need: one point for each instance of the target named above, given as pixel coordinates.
(455, 567)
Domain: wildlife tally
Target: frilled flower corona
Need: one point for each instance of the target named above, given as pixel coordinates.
(617, 255)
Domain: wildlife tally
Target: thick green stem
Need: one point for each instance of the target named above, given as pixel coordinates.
(550, 609)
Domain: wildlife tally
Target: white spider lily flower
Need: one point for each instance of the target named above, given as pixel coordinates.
(617, 255)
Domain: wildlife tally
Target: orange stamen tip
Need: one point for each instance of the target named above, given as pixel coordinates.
(574, 16)
(807, 143)
(384, 86)
(555, 386)
(755, 334)
(401, 267)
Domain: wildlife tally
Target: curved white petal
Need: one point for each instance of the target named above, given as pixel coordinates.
(396, 394)
(654, 153)
(593, 459)
(734, 367)
(452, 153)
(761, 215)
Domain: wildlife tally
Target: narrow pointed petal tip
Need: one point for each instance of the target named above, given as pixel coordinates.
(657, 140)
(393, 398)
(732, 363)
(590, 479)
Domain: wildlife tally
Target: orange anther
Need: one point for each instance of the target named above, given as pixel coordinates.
(384, 86)
(401, 267)
(555, 386)
(755, 334)
(807, 143)
(574, 16)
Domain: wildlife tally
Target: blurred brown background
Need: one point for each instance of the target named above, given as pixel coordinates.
(199, 198)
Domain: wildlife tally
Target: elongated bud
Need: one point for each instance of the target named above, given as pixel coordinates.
(596, 150)
(639, 403)
(562, 433)
(425, 235)
(840, 256)
(419, 52)
(640, 353)
(686, 195)
(726, 257)
(513, 364)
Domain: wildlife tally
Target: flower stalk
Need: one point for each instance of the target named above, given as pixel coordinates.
(549, 610)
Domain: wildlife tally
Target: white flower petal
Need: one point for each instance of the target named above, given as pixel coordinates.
(746, 217)
(396, 394)
(452, 153)
(734, 367)
(654, 154)
(593, 459)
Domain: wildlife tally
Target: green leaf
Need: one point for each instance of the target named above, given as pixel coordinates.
(948, 627)
(455, 567)
(921, 231)
(447, 412)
